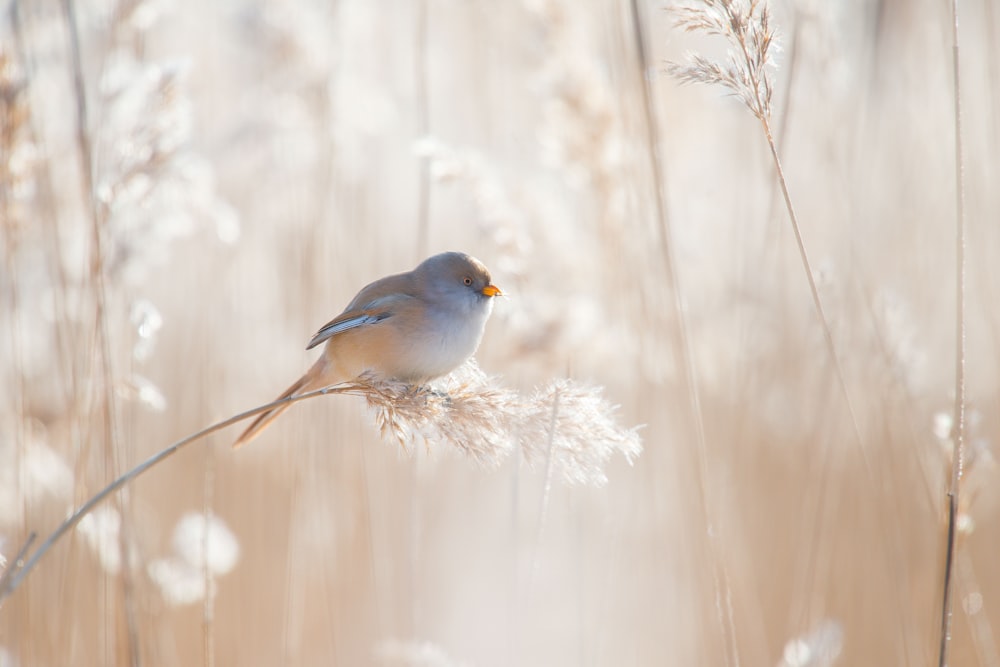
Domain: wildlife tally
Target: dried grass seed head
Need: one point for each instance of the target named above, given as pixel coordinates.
(746, 25)
(567, 423)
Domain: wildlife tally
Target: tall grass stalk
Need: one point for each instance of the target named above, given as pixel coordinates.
(747, 27)
(682, 349)
(422, 103)
(102, 343)
(22, 567)
(958, 430)
(208, 603)
(543, 505)
(421, 75)
(466, 411)
(13, 114)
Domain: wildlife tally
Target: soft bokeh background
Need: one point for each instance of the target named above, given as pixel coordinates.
(255, 163)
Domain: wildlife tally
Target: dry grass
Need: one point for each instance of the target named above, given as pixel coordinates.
(251, 166)
(570, 425)
(746, 70)
(564, 421)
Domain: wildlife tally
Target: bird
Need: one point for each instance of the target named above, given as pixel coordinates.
(410, 327)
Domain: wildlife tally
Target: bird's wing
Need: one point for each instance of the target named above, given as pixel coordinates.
(370, 313)
(389, 286)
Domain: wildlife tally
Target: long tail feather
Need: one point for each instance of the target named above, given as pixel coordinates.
(264, 419)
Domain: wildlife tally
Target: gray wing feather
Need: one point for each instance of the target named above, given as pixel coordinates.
(382, 306)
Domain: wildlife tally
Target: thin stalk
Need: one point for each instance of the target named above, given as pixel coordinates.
(103, 343)
(423, 129)
(817, 301)
(543, 509)
(749, 81)
(421, 75)
(15, 576)
(17, 562)
(291, 616)
(958, 428)
(11, 243)
(761, 109)
(421, 64)
(208, 604)
(813, 289)
(720, 577)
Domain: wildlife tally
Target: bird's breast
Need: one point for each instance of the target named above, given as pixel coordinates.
(449, 340)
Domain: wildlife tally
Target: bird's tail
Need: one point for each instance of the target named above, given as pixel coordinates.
(304, 384)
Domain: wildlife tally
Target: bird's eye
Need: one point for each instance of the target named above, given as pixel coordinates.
(467, 281)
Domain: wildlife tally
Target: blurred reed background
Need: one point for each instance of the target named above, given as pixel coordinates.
(236, 170)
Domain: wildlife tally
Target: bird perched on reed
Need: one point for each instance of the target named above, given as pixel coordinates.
(410, 327)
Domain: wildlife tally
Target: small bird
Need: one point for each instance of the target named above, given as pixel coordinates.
(411, 327)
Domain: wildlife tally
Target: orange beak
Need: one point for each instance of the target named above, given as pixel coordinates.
(492, 290)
